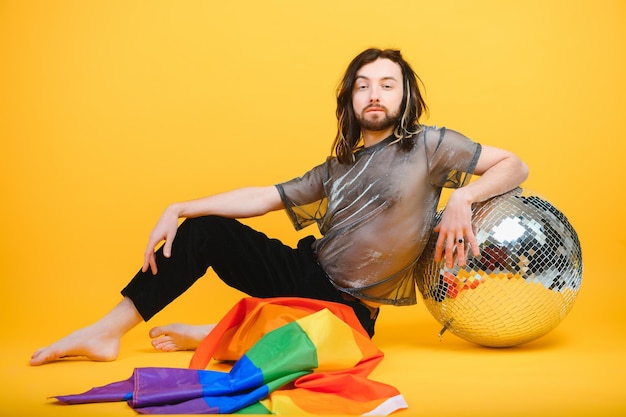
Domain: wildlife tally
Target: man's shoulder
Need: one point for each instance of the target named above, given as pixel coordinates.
(438, 133)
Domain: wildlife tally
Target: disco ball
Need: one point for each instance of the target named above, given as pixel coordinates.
(522, 285)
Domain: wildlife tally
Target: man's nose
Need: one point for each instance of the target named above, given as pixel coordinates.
(374, 95)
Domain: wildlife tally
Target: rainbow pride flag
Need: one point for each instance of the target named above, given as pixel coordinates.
(266, 356)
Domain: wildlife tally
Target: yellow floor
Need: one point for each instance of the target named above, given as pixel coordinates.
(111, 110)
(576, 370)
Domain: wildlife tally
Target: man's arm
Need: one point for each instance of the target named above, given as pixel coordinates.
(240, 203)
(500, 171)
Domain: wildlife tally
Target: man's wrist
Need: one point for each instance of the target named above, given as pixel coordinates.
(176, 209)
(462, 196)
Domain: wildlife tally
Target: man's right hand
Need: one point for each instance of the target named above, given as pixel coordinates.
(165, 230)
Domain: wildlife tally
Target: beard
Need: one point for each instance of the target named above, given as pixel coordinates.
(379, 123)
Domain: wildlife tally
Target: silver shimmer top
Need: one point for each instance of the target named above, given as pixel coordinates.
(377, 214)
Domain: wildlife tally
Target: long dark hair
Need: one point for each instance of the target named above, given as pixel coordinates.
(413, 105)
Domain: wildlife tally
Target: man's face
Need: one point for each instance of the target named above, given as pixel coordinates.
(377, 95)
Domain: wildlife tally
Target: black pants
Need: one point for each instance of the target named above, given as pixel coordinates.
(244, 259)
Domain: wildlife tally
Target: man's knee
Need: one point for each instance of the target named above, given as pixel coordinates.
(207, 223)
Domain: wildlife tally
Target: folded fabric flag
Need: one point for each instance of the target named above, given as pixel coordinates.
(289, 356)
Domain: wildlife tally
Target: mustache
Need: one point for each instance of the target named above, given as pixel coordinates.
(375, 106)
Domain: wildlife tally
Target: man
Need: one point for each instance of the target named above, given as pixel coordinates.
(374, 203)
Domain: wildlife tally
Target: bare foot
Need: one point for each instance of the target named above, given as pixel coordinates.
(97, 342)
(178, 336)
(87, 342)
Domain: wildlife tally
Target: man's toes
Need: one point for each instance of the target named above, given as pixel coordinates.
(164, 345)
(41, 356)
(158, 331)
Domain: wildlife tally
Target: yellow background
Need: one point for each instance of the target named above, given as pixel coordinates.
(110, 110)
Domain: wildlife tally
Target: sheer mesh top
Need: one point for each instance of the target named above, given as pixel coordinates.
(377, 214)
